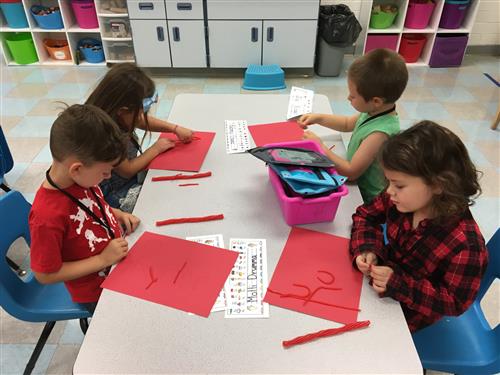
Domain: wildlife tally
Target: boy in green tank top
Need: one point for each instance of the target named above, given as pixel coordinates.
(375, 82)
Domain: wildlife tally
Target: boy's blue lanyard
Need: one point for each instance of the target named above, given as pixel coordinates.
(105, 224)
(377, 115)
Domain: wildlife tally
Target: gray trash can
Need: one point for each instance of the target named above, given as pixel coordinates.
(338, 28)
(329, 59)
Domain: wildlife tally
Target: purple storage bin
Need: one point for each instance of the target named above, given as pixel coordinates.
(453, 14)
(374, 41)
(418, 14)
(448, 50)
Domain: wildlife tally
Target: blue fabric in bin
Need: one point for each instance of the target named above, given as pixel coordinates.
(49, 21)
(264, 77)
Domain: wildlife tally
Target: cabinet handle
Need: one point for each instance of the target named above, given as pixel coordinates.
(270, 34)
(255, 34)
(184, 6)
(160, 34)
(146, 6)
(177, 34)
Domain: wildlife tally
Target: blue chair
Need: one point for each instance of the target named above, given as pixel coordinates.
(465, 344)
(26, 299)
(6, 160)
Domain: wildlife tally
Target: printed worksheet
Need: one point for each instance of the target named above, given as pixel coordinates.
(215, 240)
(237, 136)
(247, 282)
(300, 102)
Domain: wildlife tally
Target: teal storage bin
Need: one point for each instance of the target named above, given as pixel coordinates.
(13, 12)
(49, 21)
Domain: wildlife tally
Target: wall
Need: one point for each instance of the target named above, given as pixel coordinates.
(486, 30)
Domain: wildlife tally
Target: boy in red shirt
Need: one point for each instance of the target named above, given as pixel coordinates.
(75, 235)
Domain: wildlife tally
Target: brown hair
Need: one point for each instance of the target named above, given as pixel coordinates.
(124, 85)
(88, 133)
(435, 154)
(379, 73)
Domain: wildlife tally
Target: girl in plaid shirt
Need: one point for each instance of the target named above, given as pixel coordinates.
(435, 255)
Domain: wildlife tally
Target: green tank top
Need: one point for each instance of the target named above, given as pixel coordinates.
(372, 181)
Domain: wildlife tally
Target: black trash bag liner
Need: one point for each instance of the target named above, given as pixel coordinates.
(338, 26)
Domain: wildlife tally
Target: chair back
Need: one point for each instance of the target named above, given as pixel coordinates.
(6, 160)
(493, 270)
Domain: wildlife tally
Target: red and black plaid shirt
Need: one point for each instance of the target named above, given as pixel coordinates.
(437, 267)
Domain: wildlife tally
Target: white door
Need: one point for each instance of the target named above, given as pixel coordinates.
(187, 43)
(289, 44)
(151, 43)
(234, 44)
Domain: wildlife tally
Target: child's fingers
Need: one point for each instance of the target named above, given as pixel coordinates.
(371, 258)
(128, 225)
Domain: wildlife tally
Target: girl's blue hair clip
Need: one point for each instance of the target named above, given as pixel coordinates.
(147, 103)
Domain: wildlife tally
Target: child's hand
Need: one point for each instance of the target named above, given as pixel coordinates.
(310, 135)
(184, 134)
(128, 221)
(380, 277)
(114, 252)
(163, 144)
(365, 261)
(308, 119)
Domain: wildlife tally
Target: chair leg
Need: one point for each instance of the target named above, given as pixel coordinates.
(84, 325)
(15, 267)
(39, 347)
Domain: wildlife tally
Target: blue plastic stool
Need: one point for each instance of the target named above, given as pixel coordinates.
(264, 77)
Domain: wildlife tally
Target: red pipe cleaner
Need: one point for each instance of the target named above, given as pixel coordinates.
(193, 138)
(190, 220)
(153, 278)
(325, 333)
(188, 185)
(178, 273)
(181, 176)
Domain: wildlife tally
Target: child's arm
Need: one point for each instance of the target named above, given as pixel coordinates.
(128, 168)
(111, 254)
(157, 125)
(367, 240)
(362, 158)
(335, 122)
(127, 221)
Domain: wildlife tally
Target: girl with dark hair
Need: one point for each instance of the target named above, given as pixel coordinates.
(434, 256)
(126, 93)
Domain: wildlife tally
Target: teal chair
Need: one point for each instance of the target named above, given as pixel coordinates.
(465, 344)
(6, 160)
(26, 299)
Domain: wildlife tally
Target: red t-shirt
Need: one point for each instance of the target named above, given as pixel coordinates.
(62, 232)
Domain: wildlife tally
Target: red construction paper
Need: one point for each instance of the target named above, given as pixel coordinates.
(184, 156)
(276, 132)
(182, 274)
(310, 258)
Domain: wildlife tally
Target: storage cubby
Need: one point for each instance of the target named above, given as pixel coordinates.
(422, 17)
(101, 20)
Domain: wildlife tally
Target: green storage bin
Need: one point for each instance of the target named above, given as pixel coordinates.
(382, 19)
(22, 48)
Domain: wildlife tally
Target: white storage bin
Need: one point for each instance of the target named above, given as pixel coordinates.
(120, 51)
(116, 28)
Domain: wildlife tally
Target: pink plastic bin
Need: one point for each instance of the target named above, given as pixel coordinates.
(298, 210)
(418, 14)
(85, 13)
(374, 41)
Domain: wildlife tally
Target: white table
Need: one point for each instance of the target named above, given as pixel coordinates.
(130, 335)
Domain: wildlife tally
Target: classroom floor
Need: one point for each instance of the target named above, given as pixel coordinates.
(463, 99)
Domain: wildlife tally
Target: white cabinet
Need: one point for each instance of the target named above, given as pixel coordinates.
(151, 45)
(234, 44)
(256, 32)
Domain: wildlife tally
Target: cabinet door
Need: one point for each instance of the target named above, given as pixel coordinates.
(289, 44)
(187, 44)
(151, 43)
(146, 10)
(234, 44)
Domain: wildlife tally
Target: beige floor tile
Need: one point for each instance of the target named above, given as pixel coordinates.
(14, 75)
(63, 360)
(489, 182)
(32, 178)
(418, 94)
(14, 331)
(467, 111)
(491, 305)
(24, 150)
(84, 75)
(173, 90)
(29, 90)
(9, 122)
(490, 150)
(50, 107)
(487, 94)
